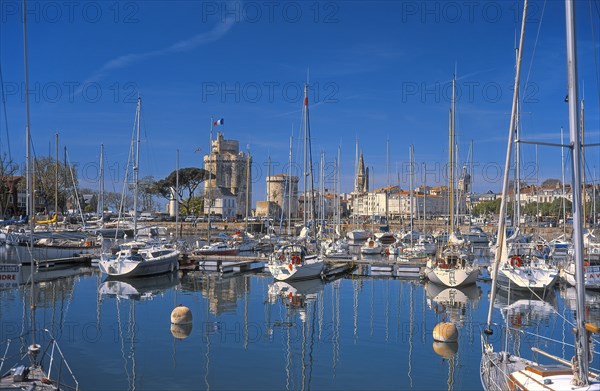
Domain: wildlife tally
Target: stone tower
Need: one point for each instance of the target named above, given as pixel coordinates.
(279, 193)
(230, 169)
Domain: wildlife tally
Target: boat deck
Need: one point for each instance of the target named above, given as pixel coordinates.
(35, 379)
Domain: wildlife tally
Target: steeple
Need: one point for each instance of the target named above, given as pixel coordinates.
(362, 177)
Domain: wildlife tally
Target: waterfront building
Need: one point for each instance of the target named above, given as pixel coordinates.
(280, 193)
(230, 174)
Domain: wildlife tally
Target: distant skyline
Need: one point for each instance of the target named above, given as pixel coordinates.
(376, 71)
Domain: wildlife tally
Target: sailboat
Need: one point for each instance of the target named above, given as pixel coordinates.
(33, 360)
(501, 370)
(524, 273)
(138, 259)
(453, 266)
(294, 261)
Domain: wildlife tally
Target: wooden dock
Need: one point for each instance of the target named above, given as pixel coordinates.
(223, 263)
(396, 269)
(83, 259)
(226, 264)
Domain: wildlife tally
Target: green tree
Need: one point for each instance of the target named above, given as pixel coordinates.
(189, 180)
(8, 185)
(195, 205)
(47, 181)
(487, 207)
(146, 192)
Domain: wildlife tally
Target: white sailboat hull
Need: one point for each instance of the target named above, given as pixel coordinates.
(288, 272)
(453, 277)
(526, 278)
(126, 267)
(591, 276)
(358, 234)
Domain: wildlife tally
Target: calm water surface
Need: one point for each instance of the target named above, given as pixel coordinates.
(248, 332)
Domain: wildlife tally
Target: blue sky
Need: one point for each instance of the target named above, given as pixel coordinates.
(377, 71)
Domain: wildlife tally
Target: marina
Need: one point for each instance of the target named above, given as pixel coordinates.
(263, 264)
(321, 333)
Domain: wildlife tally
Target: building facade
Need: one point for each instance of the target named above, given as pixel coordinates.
(229, 172)
(282, 190)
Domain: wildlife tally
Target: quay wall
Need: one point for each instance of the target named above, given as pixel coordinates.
(201, 229)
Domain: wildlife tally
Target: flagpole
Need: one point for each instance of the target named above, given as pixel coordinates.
(210, 160)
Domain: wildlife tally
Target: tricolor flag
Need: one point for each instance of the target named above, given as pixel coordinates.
(219, 122)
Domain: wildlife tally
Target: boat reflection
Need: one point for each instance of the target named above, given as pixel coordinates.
(299, 334)
(451, 304)
(222, 293)
(295, 294)
(523, 309)
(141, 288)
(592, 302)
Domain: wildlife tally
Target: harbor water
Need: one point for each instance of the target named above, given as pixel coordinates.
(250, 332)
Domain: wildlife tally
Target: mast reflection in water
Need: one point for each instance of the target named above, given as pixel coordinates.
(251, 332)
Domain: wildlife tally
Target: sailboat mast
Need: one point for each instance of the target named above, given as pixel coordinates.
(101, 183)
(308, 160)
(517, 184)
(581, 338)
(305, 165)
(338, 193)
(583, 181)
(136, 168)
(511, 127)
(451, 159)
(269, 194)
(29, 171)
(412, 171)
(562, 170)
(177, 228)
(208, 197)
(247, 188)
(56, 181)
(289, 224)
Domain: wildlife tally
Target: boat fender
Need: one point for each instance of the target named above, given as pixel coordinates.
(585, 266)
(387, 251)
(290, 266)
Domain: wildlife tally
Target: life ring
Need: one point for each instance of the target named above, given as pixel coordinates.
(296, 259)
(516, 261)
(516, 320)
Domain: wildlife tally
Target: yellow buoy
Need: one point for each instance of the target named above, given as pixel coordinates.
(445, 332)
(445, 349)
(181, 331)
(181, 315)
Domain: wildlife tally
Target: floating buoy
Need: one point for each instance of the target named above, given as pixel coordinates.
(181, 331)
(445, 332)
(445, 349)
(181, 315)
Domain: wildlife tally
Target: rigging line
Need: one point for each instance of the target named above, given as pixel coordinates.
(537, 36)
(594, 48)
(521, 331)
(5, 113)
